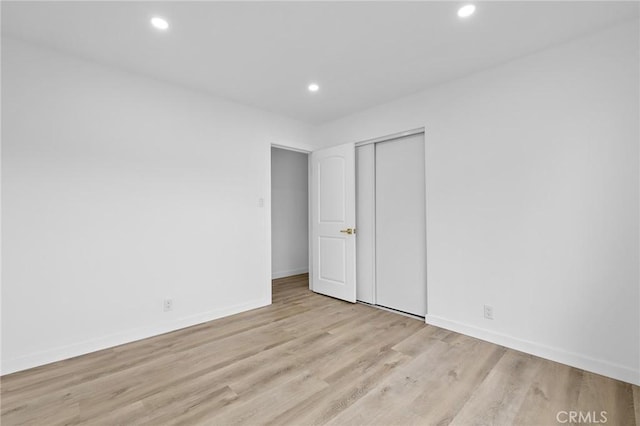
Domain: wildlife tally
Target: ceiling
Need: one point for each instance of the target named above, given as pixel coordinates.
(265, 54)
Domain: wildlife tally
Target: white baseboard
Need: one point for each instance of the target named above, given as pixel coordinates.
(282, 274)
(109, 341)
(573, 359)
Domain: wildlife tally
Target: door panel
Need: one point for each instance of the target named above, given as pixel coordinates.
(400, 225)
(332, 253)
(365, 217)
(333, 207)
(331, 185)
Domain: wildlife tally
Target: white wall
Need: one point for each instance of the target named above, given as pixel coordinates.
(119, 191)
(533, 196)
(289, 213)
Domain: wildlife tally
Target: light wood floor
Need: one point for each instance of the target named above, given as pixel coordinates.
(309, 359)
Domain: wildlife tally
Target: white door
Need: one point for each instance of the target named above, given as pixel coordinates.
(333, 216)
(366, 220)
(400, 241)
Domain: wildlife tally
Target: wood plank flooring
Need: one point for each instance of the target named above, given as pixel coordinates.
(311, 360)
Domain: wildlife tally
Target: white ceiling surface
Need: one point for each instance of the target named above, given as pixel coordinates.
(265, 54)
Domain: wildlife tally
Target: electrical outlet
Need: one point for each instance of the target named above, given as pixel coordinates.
(488, 312)
(167, 305)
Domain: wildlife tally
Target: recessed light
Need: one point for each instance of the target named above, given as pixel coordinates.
(313, 87)
(466, 11)
(159, 23)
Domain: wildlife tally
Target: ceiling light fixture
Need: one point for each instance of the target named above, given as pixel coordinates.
(466, 11)
(313, 87)
(160, 23)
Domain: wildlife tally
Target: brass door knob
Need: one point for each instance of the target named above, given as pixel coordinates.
(348, 231)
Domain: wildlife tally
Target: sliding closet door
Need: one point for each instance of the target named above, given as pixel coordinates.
(400, 225)
(365, 220)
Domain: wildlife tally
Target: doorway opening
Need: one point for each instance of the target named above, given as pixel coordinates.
(289, 216)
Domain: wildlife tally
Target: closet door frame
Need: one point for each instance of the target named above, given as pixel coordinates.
(388, 138)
